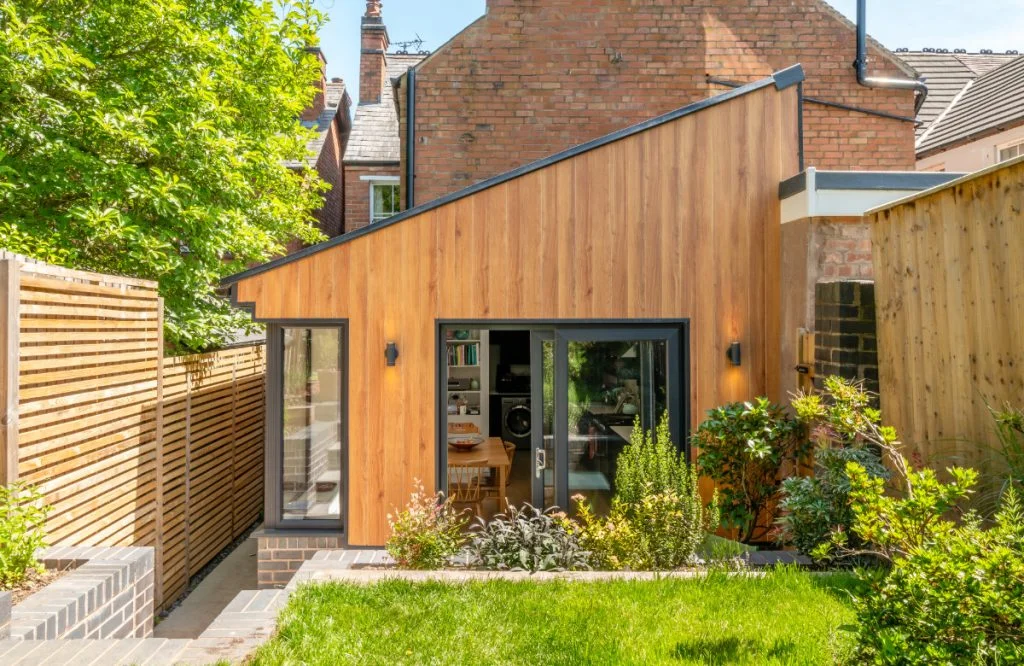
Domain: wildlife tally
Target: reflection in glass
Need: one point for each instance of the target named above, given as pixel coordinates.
(611, 386)
(311, 459)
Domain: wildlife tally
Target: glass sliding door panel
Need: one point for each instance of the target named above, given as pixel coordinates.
(312, 419)
(612, 385)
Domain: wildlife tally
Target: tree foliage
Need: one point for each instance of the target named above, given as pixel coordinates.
(151, 138)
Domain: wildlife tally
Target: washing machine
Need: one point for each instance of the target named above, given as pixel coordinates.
(515, 421)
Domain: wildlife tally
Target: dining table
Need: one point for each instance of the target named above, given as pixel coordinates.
(491, 454)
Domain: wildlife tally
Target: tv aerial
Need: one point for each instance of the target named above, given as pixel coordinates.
(411, 46)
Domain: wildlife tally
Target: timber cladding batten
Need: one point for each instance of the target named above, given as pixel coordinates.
(677, 221)
(128, 447)
(949, 271)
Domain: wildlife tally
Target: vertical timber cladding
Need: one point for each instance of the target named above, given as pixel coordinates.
(103, 422)
(678, 221)
(949, 270)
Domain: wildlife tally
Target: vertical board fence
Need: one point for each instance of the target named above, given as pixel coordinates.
(949, 291)
(128, 447)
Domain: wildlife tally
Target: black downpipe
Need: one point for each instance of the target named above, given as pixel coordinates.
(861, 64)
(410, 140)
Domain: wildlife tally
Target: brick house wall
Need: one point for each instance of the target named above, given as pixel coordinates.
(331, 215)
(357, 192)
(533, 77)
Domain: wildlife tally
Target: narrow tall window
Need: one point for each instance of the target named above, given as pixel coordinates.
(312, 411)
(384, 200)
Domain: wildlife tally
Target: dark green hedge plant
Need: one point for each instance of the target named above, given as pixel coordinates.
(744, 448)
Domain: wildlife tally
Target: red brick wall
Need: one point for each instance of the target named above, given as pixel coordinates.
(329, 167)
(536, 76)
(357, 193)
(843, 248)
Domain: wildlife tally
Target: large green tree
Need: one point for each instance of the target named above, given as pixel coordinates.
(151, 138)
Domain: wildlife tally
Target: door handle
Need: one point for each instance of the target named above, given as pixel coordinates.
(541, 461)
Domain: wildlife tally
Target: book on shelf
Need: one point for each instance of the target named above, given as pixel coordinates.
(463, 355)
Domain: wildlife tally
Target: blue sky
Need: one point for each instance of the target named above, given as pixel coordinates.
(969, 24)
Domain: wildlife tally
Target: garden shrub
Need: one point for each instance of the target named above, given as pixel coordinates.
(527, 539)
(958, 599)
(22, 517)
(427, 533)
(844, 428)
(815, 507)
(658, 519)
(743, 448)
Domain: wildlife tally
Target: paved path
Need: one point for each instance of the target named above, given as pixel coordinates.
(235, 573)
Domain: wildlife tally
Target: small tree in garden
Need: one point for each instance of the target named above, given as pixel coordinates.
(22, 517)
(427, 532)
(151, 138)
(744, 447)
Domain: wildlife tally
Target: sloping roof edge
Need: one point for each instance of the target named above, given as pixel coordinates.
(944, 186)
(781, 79)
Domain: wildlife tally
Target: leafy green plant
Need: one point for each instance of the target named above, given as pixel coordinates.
(958, 599)
(1009, 423)
(744, 447)
(895, 526)
(844, 428)
(427, 533)
(22, 518)
(153, 139)
(815, 507)
(527, 539)
(662, 531)
(658, 519)
(650, 464)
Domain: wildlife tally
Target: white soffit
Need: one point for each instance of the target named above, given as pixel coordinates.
(816, 193)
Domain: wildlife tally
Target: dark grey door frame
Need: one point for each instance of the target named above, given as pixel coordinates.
(274, 428)
(675, 331)
(677, 399)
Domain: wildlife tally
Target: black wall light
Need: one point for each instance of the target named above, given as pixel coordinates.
(733, 353)
(391, 353)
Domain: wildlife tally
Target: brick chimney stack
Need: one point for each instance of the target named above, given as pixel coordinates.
(372, 60)
(314, 110)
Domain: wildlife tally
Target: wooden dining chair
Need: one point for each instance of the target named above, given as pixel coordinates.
(464, 484)
(491, 490)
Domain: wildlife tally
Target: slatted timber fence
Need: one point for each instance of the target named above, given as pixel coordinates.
(949, 294)
(129, 447)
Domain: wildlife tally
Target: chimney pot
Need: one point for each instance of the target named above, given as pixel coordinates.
(373, 8)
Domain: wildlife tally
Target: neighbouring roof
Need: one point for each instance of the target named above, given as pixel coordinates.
(780, 80)
(946, 74)
(335, 99)
(375, 136)
(988, 104)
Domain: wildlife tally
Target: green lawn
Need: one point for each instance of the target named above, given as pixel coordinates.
(787, 617)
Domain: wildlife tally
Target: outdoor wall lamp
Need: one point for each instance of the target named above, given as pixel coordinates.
(391, 353)
(733, 353)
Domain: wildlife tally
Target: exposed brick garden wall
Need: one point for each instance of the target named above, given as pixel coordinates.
(279, 557)
(536, 76)
(108, 595)
(843, 248)
(845, 332)
(357, 193)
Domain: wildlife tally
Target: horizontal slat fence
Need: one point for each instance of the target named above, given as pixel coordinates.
(129, 447)
(949, 291)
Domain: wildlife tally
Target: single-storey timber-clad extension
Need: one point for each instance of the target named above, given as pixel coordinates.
(511, 333)
(662, 240)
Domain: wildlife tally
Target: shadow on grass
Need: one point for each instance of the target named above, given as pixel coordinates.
(727, 650)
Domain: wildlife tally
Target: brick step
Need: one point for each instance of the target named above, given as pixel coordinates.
(88, 652)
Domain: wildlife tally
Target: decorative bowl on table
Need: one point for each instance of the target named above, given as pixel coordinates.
(464, 442)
